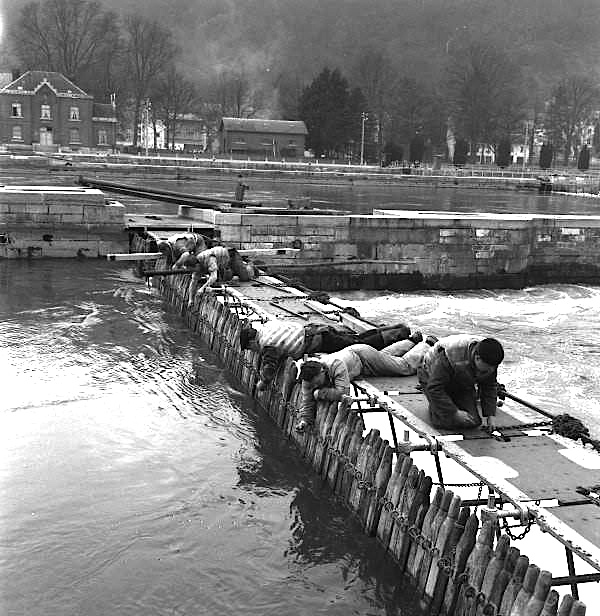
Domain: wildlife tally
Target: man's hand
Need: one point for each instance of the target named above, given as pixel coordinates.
(316, 394)
(490, 422)
(345, 402)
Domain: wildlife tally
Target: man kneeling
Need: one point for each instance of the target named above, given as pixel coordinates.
(329, 377)
(456, 372)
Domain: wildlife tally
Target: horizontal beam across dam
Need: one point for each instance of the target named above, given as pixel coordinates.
(408, 250)
(456, 561)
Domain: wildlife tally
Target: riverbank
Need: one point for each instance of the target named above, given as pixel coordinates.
(181, 168)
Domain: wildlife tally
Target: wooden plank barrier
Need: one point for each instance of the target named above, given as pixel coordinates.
(436, 589)
(440, 545)
(430, 541)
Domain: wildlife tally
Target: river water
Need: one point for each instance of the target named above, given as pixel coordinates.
(136, 479)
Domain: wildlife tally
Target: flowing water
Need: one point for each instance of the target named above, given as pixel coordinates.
(136, 479)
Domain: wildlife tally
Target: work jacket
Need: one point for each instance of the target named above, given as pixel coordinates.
(341, 368)
(449, 366)
(213, 260)
(287, 337)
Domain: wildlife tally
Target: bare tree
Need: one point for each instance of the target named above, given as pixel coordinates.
(574, 99)
(75, 37)
(375, 77)
(150, 51)
(173, 96)
(228, 93)
(484, 93)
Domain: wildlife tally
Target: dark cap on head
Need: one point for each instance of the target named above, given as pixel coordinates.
(246, 335)
(490, 351)
(309, 370)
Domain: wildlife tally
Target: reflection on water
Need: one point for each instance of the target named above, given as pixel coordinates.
(136, 479)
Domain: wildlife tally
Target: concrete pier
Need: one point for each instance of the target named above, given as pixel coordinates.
(53, 221)
(407, 250)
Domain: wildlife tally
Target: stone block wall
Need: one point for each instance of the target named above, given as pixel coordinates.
(59, 222)
(408, 250)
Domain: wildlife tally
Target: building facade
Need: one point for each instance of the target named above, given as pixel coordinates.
(262, 139)
(43, 110)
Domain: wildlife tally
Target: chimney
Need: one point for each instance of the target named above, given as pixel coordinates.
(16, 73)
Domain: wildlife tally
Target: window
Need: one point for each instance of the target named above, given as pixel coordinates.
(239, 141)
(102, 137)
(74, 113)
(292, 143)
(73, 135)
(17, 133)
(45, 113)
(17, 111)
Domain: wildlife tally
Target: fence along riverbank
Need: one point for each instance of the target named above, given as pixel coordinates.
(457, 564)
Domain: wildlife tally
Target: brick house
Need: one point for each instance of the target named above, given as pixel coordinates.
(43, 110)
(262, 139)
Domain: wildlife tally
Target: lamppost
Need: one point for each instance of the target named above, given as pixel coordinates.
(147, 124)
(364, 117)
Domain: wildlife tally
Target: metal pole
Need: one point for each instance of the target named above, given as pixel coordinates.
(571, 568)
(146, 122)
(362, 138)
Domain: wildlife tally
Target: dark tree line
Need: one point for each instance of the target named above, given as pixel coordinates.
(482, 92)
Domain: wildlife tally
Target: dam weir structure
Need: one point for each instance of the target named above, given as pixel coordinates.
(457, 550)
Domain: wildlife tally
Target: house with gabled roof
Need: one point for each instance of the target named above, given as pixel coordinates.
(262, 139)
(43, 110)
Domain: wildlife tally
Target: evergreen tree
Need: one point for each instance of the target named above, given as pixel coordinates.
(583, 162)
(503, 157)
(331, 113)
(461, 151)
(546, 156)
(417, 149)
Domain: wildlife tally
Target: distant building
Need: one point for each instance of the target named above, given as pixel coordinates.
(45, 110)
(262, 139)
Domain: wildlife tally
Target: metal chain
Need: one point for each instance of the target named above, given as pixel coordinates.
(513, 536)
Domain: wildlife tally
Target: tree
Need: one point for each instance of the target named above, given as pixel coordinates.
(574, 99)
(375, 77)
(503, 154)
(583, 161)
(332, 113)
(173, 96)
(484, 93)
(77, 38)
(461, 151)
(149, 53)
(417, 149)
(546, 156)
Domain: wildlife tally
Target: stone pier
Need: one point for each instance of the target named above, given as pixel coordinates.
(54, 221)
(404, 250)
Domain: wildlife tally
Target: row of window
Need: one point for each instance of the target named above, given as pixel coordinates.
(269, 144)
(74, 137)
(45, 112)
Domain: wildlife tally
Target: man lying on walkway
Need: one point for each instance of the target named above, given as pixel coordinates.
(175, 246)
(219, 263)
(276, 339)
(457, 371)
(329, 377)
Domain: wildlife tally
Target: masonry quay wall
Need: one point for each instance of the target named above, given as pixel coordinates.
(59, 222)
(456, 563)
(405, 250)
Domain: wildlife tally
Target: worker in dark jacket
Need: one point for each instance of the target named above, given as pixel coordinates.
(276, 339)
(456, 373)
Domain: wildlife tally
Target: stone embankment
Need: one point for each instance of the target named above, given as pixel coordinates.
(50, 221)
(406, 250)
